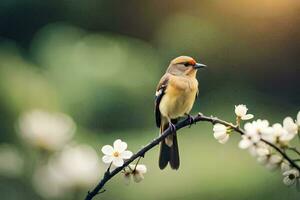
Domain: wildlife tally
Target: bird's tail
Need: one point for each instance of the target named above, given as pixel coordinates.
(168, 149)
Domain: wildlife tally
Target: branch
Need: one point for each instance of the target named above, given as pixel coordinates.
(184, 123)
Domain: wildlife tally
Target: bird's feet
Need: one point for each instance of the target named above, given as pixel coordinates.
(191, 120)
(172, 128)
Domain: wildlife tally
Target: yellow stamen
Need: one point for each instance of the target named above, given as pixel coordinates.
(116, 154)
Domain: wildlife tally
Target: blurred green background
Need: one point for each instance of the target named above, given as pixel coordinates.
(99, 62)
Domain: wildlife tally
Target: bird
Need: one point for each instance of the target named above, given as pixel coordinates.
(175, 95)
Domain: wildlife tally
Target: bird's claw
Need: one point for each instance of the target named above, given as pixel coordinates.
(172, 128)
(191, 120)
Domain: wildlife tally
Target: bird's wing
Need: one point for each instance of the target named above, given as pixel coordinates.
(197, 93)
(160, 91)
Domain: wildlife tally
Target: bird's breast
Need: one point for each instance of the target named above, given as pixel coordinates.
(179, 98)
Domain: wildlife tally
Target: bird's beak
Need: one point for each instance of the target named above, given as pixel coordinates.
(199, 65)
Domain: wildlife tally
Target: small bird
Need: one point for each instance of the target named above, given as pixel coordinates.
(175, 96)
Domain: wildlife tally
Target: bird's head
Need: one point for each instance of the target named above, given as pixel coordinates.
(184, 65)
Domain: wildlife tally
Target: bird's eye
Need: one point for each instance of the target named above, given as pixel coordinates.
(186, 64)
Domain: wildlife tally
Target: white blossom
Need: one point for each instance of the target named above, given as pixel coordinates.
(251, 136)
(220, 133)
(273, 161)
(116, 154)
(278, 135)
(241, 112)
(256, 127)
(285, 166)
(260, 126)
(80, 165)
(247, 141)
(290, 126)
(75, 167)
(263, 159)
(127, 177)
(272, 158)
(137, 172)
(259, 149)
(290, 177)
(49, 131)
(47, 182)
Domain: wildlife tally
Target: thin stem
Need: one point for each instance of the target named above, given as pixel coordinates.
(294, 149)
(137, 163)
(237, 121)
(292, 163)
(184, 123)
(108, 169)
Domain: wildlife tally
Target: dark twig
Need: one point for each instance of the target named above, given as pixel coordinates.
(294, 149)
(200, 117)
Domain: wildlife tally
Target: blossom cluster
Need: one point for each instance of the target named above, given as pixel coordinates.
(49, 131)
(257, 135)
(76, 167)
(63, 165)
(115, 155)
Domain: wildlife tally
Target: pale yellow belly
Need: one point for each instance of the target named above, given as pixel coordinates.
(174, 105)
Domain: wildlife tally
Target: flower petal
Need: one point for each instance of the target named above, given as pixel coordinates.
(292, 171)
(262, 160)
(127, 178)
(141, 168)
(262, 151)
(117, 143)
(266, 131)
(118, 162)
(138, 177)
(107, 159)
(285, 167)
(126, 154)
(269, 137)
(249, 127)
(262, 123)
(275, 159)
(255, 138)
(271, 166)
(278, 130)
(224, 140)
(107, 149)
(240, 110)
(288, 121)
(286, 137)
(120, 146)
(247, 117)
(220, 135)
(296, 173)
(245, 143)
(290, 126)
(253, 151)
(219, 128)
(287, 181)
